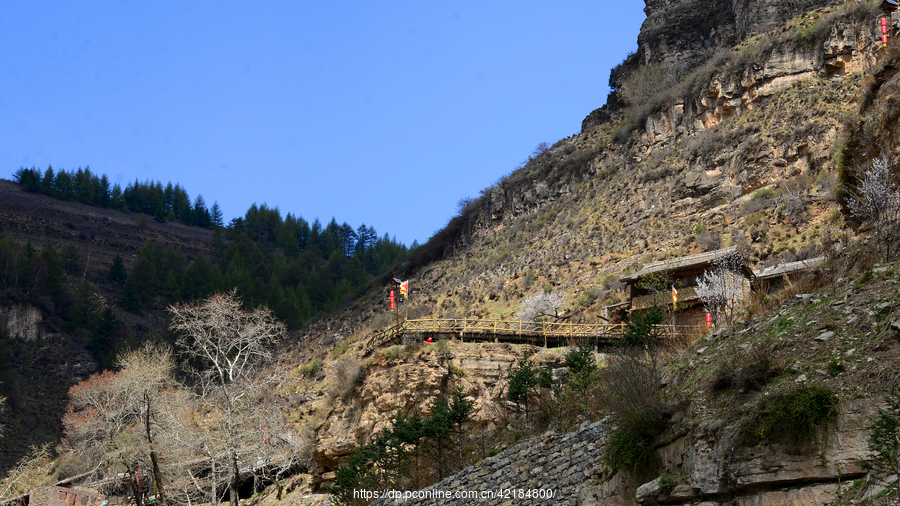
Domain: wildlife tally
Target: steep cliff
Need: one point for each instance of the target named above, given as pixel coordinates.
(732, 124)
(743, 148)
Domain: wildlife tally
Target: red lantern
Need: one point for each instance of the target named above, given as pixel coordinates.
(392, 300)
(708, 320)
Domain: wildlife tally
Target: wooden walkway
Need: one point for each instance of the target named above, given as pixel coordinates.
(504, 331)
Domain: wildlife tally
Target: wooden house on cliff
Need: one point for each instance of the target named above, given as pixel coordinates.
(654, 282)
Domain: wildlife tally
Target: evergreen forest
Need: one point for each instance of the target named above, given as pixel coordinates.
(298, 269)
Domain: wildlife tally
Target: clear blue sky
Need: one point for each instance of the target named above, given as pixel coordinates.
(383, 113)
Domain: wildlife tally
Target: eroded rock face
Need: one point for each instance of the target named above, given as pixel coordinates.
(757, 16)
(710, 466)
(407, 381)
(736, 167)
(23, 321)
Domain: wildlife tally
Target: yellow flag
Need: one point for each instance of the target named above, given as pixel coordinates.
(404, 289)
(674, 297)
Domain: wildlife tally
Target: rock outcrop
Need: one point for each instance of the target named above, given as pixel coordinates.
(701, 466)
(22, 321)
(400, 379)
(705, 465)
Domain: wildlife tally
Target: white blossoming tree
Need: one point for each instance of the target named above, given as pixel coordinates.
(542, 304)
(876, 202)
(723, 288)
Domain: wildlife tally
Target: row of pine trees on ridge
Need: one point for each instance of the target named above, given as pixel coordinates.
(300, 270)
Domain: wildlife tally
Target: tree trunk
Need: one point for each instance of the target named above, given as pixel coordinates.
(214, 483)
(133, 483)
(157, 476)
(233, 497)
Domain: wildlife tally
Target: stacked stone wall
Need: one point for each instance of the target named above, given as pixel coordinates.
(554, 464)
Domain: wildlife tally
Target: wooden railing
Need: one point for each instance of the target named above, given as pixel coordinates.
(538, 333)
(474, 327)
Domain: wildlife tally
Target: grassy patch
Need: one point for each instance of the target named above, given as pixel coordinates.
(310, 368)
(792, 415)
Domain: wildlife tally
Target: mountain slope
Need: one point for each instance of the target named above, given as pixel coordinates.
(744, 150)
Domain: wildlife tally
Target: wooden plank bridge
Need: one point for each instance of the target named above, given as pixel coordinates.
(505, 331)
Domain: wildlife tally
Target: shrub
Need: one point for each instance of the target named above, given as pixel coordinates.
(529, 279)
(639, 332)
(311, 368)
(340, 349)
(751, 377)
(866, 277)
(611, 282)
(630, 448)
(587, 297)
(884, 445)
(709, 241)
(835, 367)
(631, 393)
(667, 482)
(791, 415)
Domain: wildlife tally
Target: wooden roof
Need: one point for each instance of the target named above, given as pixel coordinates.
(683, 263)
(788, 268)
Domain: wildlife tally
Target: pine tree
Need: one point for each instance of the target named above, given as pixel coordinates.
(101, 339)
(103, 191)
(54, 283)
(216, 215)
(130, 298)
(437, 433)
(30, 179)
(199, 213)
(86, 308)
(117, 272)
(47, 182)
(171, 290)
(71, 258)
(461, 412)
(521, 383)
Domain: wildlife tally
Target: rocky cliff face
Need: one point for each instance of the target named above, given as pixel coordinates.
(739, 152)
(704, 465)
(727, 161)
(404, 378)
(22, 321)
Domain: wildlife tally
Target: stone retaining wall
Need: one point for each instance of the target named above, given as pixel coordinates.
(555, 463)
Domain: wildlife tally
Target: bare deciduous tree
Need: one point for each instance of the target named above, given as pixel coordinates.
(236, 427)
(876, 201)
(723, 288)
(542, 304)
(225, 338)
(112, 417)
(30, 471)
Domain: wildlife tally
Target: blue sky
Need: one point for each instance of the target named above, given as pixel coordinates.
(383, 113)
